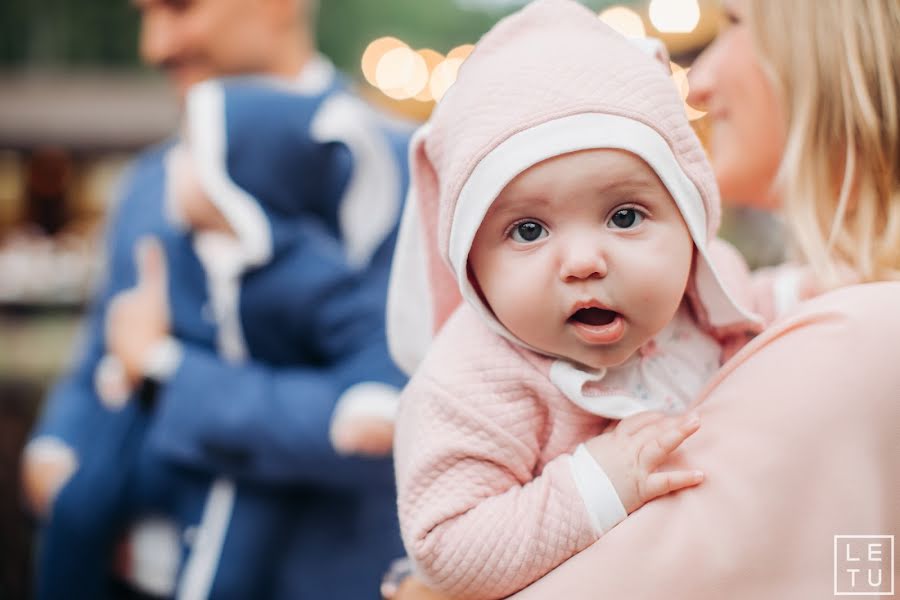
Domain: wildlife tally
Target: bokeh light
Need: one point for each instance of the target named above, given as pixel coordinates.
(624, 20)
(401, 73)
(443, 76)
(432, 59)
(680, 77)
(374, 53)
(461, 52)
(675, 16)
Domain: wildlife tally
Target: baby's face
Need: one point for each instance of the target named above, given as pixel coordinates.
(584, 256)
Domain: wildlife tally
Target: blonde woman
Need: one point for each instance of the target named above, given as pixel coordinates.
(800, 436)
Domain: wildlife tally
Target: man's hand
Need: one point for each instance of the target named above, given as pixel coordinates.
(44, 473)
(632, 450)
(413, 589)
(138, 319)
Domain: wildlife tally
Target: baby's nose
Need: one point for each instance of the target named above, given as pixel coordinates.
(583, 259)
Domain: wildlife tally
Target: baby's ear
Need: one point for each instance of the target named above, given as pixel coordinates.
(655, 48)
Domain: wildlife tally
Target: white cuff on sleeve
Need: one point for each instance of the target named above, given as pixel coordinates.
(163, 360)
(597, 491)
(51, 449)
(368, 399)
(111, 383)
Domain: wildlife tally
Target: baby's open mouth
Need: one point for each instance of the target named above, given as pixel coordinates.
(594, 316)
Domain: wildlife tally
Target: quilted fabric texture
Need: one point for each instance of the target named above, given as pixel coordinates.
(486, 496)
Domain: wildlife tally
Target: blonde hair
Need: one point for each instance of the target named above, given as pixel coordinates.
(836, 66)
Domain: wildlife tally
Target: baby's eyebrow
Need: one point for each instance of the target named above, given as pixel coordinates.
(635, 183)
(519, 203)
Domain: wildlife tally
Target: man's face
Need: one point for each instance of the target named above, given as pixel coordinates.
(194, 40)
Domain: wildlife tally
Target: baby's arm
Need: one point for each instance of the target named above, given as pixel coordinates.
(476, 521)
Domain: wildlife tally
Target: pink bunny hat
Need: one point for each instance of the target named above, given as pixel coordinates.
(548, 80)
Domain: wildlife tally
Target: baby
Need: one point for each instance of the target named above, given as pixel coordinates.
(259, 187)
(558, 244)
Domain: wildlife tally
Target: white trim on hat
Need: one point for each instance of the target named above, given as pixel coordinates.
(371, 201)
(208, 146)
(570, 134)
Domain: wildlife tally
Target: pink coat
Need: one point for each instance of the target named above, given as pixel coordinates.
(800, 444)
(486, 494)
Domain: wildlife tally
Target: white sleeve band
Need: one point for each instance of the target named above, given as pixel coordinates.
(163, 360)
(597, 491)
(368, 399)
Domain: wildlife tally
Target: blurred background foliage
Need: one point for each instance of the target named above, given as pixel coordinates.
(68, 34)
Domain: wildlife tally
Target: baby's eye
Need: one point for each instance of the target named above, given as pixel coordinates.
(625, 218)
(527, 232)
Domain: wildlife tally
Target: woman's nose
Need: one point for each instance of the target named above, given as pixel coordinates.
(700, 79)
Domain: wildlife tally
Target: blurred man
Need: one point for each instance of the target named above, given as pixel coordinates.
(238, 437)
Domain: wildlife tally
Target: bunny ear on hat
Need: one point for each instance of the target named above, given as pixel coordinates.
(422, 292)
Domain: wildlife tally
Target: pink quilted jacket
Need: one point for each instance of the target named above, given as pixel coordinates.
(486, 496)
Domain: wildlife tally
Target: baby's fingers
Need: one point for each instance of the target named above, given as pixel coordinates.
(635, 423)
(657, 448)
(665, 482)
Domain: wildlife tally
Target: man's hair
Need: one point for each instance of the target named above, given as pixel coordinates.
(835, 65)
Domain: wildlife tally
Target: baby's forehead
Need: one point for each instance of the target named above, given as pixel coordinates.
(595, 172)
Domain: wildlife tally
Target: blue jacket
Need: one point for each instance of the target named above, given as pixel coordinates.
(300, 520)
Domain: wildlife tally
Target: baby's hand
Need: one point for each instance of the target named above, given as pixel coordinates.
(632, 450)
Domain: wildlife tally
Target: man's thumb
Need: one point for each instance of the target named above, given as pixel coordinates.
(151, 265)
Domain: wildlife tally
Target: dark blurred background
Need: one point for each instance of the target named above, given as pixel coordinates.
(76, 104)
